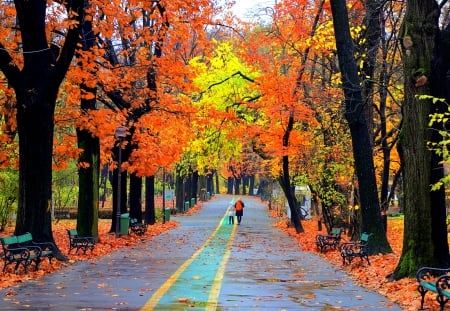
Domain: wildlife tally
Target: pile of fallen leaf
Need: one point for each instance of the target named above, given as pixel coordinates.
(106, 244)
(375, 277)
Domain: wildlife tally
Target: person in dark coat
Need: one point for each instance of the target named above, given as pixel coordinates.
(239, 207)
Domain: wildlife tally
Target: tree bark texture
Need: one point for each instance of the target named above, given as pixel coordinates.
(150, 215)
(88, 184)
(179, 189)
(361, 140)
(135, 197)
(285, 180)
(417, 34)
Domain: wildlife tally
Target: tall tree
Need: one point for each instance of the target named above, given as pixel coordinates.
(89, 143)
(36, 78)
(361, 140)
(418, 33)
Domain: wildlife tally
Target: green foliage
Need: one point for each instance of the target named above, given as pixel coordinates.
(9, 191)
(65, 189)
(440, 148)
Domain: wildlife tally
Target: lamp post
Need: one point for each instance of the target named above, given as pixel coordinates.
(164, 196)
(121, 132)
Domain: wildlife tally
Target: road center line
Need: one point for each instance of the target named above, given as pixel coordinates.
(215, 290)
(213, 298)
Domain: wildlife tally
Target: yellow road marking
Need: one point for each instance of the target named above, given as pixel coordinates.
(215, 290)
(156, 297)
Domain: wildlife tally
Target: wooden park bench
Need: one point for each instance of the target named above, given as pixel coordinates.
(350, 250)
(329, 241)
(78, 242)
(137, 227)
(22, 250)
(435, 280)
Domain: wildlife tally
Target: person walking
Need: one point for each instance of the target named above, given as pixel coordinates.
(231, 213)
(239, 207)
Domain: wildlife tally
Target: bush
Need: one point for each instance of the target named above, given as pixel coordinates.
(9, 191)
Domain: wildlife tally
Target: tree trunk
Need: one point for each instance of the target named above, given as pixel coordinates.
(440, 88)
(88, 184)
(245, 185)
(194, 189)
(372, 36)
(88, 175)
(237, 186)
(35, 128)
(150, 217)
(215, 181)
(230, 185)
(135, 197)
(418, 34)
(251, 185)
(36, 85)
(292, 202)
(179, 190)
(361, 140)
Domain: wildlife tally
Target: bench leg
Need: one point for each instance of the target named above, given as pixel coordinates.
(37, 262)
(442, 301)
(17, 266)
(27, 263)
(422, 292)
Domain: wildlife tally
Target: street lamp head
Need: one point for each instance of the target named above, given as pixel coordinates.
(121, 131)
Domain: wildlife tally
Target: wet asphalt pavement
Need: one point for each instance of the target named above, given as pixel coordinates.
(204, 264)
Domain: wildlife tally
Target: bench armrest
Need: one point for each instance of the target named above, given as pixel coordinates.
(443, 285)
(429, 273)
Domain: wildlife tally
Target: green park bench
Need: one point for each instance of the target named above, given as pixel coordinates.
(435, 280)
(329, 241)
(22, 250)
(137, 227)
(78, 242)
(351, 250)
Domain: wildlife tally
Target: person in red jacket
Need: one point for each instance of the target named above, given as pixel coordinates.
(239, 207)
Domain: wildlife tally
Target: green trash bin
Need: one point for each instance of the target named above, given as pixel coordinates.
(167, 214)
(192, 202)
(124, 223)
(186, 206)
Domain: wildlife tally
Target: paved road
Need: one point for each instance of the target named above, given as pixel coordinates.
(204, 264)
